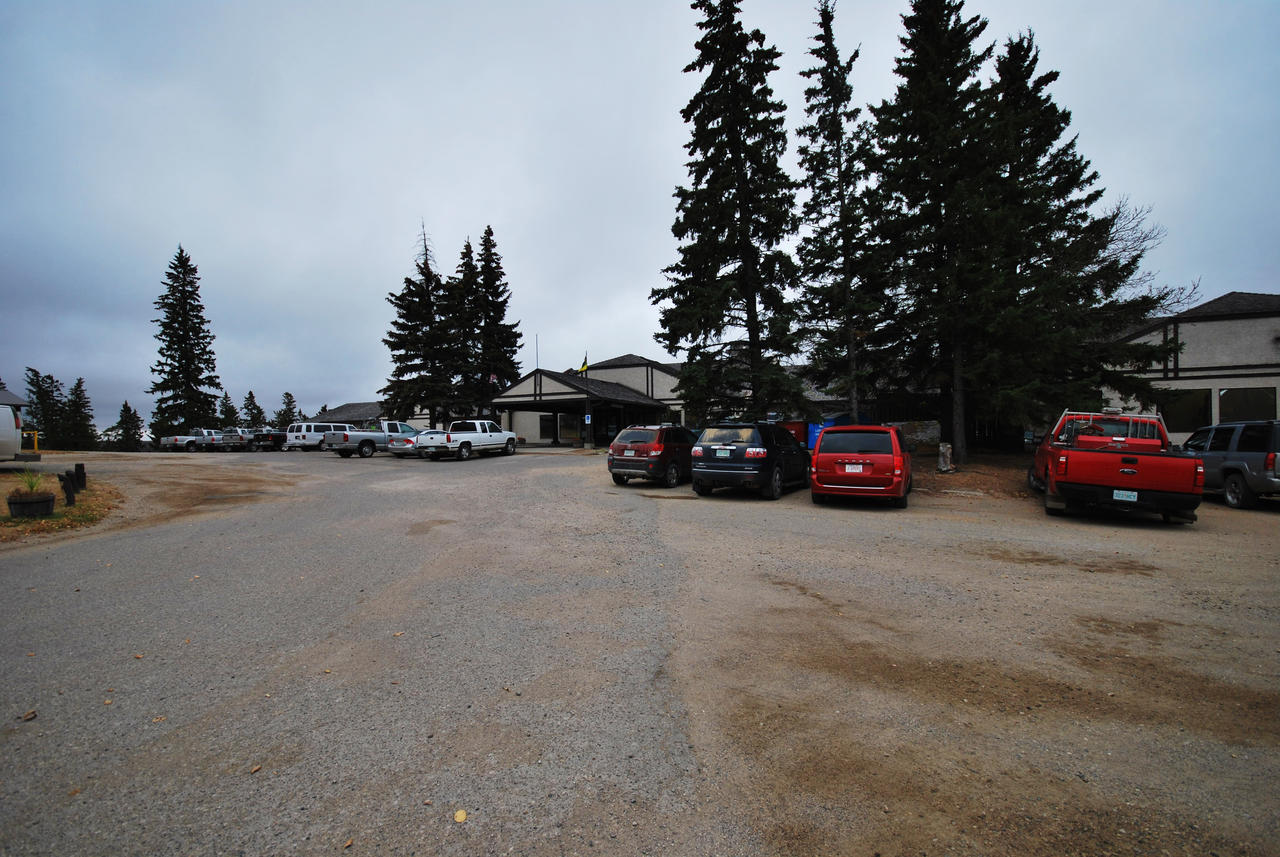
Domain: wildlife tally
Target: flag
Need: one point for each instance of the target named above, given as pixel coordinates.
(584, 362)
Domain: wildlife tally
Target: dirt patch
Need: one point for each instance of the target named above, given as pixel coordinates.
(989, 474)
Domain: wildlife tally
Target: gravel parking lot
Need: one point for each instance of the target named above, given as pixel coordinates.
(293, 653)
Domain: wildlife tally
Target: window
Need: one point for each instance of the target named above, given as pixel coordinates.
(636, 436)
(1198, 441)
(461, 427)
(1256, 438)
(546, 425)
(1246, 403)
(730, 434)
(856, 442)
(1221, 440)
(1185, 410)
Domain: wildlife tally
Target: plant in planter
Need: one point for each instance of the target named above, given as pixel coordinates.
(28, 500)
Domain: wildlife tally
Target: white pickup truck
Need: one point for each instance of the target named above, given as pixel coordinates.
(199, 440)
(368, 441)
(234, 438)
(465, 437)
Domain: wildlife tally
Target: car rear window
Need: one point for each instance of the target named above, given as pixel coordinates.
(1255, 438)
(636, 436)
(857, 442)
(730, 434)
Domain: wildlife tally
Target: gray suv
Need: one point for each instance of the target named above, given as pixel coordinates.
(1239, 459)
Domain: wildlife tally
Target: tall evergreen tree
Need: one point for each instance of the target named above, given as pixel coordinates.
(46, 409)
(726, 298)
(228, 413)
(185, 371)
(127, 431)
(932, 171)
(498, 339)
(458, 308)
(844, 294)
(1063, 291)
(419, 341)
(288, 412)
(79, 429)
(254, 416)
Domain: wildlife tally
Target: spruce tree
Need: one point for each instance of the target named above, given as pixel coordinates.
(128, 429)
(228, 413)
(46, 409)
(725, 302)
(185, 371)
(497, 339)
(254, 416)
(933, 180)
(78, 428)
(844, 293)
(419, 341)
(288, 413)
(458, 308)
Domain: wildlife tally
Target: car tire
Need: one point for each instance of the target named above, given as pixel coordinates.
(701, 489)
(772, 490)
(618, 479)
(900, 502)
(672, 477)
(818, 498)
(366, 448)
(191, 446)
(1236, 493)
(510, 448)
(464, 452)
(1033, 482)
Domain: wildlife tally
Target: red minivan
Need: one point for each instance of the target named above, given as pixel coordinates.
(861, 461)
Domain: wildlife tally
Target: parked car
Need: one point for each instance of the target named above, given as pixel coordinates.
(198, 440)
(404, 445)
(1239, 459)
(760, 455)
(659, 452)
(375, 437)
(861, 461)
(467, 437)
(1118, 461)
(234, 438)
(11, 436)
(265, 437)
(311, 435)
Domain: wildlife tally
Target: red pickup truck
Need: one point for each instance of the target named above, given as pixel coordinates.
(1116, 460)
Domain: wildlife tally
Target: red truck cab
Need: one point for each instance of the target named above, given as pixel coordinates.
(1116, 460)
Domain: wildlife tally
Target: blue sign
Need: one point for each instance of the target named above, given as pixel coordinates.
(587, 419)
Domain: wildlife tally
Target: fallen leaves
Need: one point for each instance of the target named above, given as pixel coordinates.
(460, 816)
(255, 769)
(29, 716)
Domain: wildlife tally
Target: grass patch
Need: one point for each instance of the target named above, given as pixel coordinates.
(92, 505)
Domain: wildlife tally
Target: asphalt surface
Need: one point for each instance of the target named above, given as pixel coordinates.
(300, 654)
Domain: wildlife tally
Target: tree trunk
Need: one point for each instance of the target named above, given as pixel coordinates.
(959, 447)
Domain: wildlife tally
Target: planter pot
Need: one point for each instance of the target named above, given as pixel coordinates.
(34, 506)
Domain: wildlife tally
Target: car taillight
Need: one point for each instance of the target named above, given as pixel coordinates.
(345, 437)
(756, 452)
(448, 438)
(897, 465)
(696, 452)
(1199, 482)
(1061, 468)
(1270, 465)
(656, 451)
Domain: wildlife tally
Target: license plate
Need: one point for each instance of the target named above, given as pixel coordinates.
(853, 468)
(1125, 496)
(723, 453)
(628, 453)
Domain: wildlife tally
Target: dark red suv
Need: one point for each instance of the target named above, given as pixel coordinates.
(861, 461)
(660, 453)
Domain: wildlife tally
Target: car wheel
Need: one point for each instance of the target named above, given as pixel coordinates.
(900, 502)
(510, 448)
(673, 475)
(817, 497)
(1236, 492)
(366, 448)
(701, 489)
(773, 489)
(464, 452)
(344, 453)
(618, 479)
(1033, 482)
(191, 446)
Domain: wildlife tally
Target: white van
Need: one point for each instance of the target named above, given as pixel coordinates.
(311, 435)
(11, 436)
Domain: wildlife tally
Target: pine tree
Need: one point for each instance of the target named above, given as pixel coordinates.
(79, 431)
(498, 340)
(128, 429)
(1062, 295)
(185, 370)
(844, 294)
(458, 308)
(228, 413)
(254, 416)
(726, 299)
(46, 409)
(288, 413)
(933, 179)
(419, 341)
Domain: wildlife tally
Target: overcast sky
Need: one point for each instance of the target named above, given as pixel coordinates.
(297, 149)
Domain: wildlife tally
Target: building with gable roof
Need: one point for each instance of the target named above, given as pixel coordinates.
(1229, 365)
